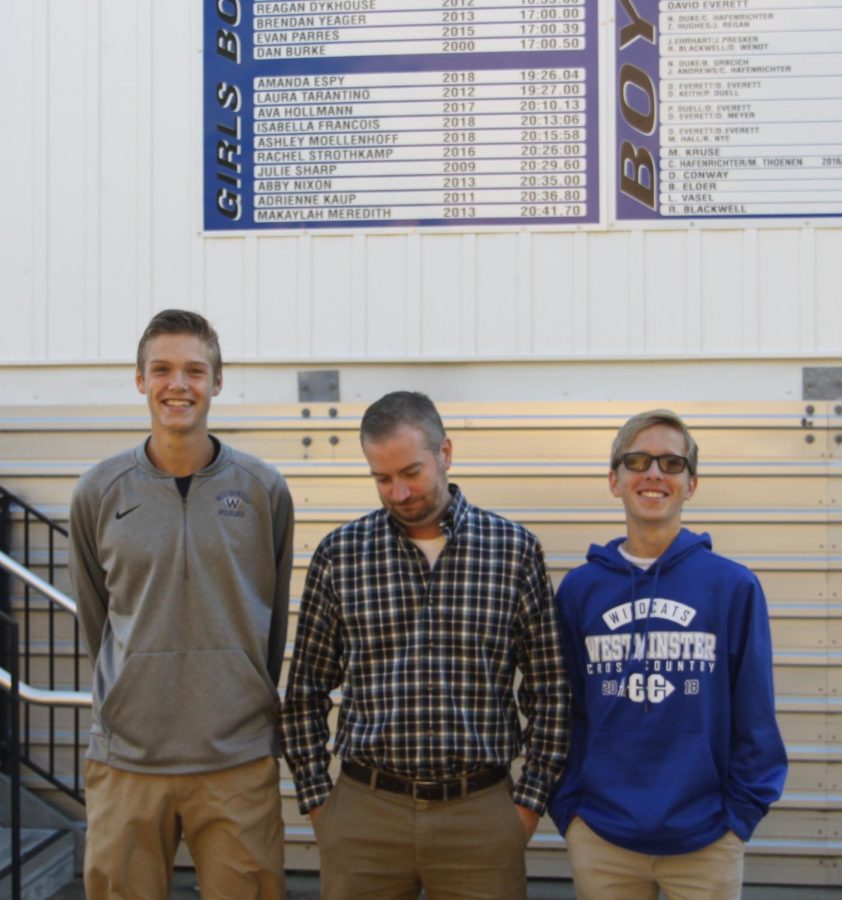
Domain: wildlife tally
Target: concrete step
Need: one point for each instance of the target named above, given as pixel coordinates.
(48, 862)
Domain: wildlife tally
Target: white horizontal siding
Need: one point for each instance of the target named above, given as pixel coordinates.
(103, 175)
(597, 379)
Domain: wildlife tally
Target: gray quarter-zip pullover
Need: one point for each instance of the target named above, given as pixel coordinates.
(183, 605)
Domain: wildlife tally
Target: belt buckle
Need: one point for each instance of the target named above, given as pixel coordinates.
(425, 784)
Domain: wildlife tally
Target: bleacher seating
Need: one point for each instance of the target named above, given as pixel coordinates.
(770, 494)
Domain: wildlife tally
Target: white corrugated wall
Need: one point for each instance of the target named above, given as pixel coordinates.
(102, 194)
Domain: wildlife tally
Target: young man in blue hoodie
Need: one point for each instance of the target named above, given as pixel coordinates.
(675, 754)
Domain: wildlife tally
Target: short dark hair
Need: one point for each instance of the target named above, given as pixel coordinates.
(398, 408)
(181, 321)
(628, 432)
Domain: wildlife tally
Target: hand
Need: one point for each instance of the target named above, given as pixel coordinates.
(529, 818)
(314, 814)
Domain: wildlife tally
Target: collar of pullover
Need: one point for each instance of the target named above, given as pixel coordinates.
(221, 461)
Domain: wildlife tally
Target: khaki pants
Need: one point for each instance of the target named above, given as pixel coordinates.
(375, 845)
(231, 820)
(604, 871)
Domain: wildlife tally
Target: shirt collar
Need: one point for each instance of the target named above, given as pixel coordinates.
(455, 515)
(452, 519)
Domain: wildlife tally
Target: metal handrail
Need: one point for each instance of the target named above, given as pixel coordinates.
(28, 693)
(42, 696)
(43, 587)
(54, 699)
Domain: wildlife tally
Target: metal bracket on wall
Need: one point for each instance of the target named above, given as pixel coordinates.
(318, 386)
(821, 383)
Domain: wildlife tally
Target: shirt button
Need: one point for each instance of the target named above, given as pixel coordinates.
(431, 686)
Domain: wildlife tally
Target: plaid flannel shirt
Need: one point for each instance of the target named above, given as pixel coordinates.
(426, 658)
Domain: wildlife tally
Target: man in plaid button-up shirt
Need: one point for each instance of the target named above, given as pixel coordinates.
(422, 612)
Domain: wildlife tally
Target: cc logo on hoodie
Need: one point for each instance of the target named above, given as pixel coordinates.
(652, 688)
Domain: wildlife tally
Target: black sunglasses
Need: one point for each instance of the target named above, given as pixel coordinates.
(668, 463)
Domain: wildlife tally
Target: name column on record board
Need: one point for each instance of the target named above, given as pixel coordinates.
(441, 112)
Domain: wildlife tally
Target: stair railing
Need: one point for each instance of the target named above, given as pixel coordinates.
(11, 747)
(14, 511)
(20, 691)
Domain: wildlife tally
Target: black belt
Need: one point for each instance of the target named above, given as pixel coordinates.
(425, 790)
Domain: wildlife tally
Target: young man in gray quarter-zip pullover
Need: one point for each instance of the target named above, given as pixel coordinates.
(181, 552)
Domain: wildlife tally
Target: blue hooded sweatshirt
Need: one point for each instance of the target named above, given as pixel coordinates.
(674, 739)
